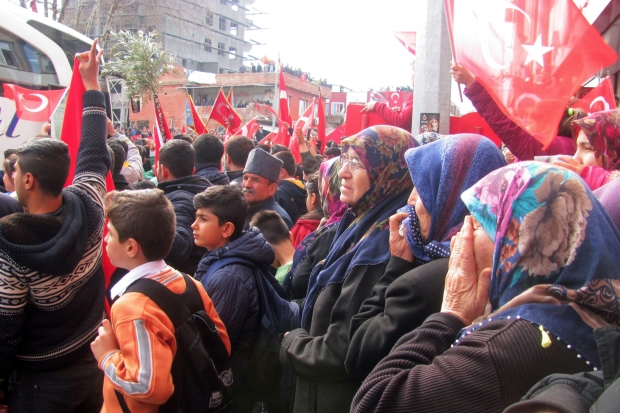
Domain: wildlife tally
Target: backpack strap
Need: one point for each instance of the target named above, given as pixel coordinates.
(178, 307)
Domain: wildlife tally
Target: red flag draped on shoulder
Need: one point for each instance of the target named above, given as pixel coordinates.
(283, 104)
(598, 99)
(224, 114)
(529, 63)
(321, 126)
(199, 126)
(71, 132)
(34, 105)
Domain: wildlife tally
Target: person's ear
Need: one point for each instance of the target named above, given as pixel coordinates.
(228, 229)
(290, 237)
(273, 188)
(315, 200)
(132, 247)
(194, 171)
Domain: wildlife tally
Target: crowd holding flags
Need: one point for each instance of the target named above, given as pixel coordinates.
(530, 64)
(224, 114)
(199, 126)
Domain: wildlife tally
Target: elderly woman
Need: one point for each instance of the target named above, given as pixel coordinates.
(412, 287)
(314, 247)
(374, 182)
(598, 148)
(539, 252)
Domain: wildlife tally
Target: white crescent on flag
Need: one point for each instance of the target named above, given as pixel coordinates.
(602, 100)
(43, 105)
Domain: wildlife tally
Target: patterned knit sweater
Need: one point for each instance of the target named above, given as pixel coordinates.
(51, 280)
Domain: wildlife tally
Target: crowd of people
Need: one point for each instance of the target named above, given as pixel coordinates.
(420, 273)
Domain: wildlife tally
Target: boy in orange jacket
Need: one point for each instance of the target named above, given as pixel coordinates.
(136, 348)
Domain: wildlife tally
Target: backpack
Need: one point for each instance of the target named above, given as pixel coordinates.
(201, 369)
(277, 316)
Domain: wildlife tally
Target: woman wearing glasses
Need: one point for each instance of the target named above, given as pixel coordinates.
(375, 182)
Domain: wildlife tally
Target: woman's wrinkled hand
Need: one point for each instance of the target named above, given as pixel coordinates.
(399, 247)
(467, 291)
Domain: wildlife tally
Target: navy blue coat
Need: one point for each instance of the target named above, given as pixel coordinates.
(211, 172)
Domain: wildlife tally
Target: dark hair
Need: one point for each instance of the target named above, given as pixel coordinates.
(227, 203)
(123, 143)
(48, 161)
(272, 226)
(565, 128)
(277, 148)
(184, 137)
(119, 156)
(9, 165)
(312, 187)
(132, 214)
(143, 184)
(111, 153)
(178, 156)
(9, 152)
(333, 151)
(208, 148)
(288, 162)
(264, 147)
(238, 148)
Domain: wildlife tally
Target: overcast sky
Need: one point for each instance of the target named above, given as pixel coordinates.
(347, 42)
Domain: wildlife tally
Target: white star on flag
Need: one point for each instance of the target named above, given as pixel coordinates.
(536, 51)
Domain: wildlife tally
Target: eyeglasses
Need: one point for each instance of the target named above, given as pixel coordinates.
(354, 164)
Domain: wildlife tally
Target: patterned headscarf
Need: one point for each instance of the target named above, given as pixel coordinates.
(556, 253)
(440, 172)
(603, 131)
(330, 190)
(362, 236)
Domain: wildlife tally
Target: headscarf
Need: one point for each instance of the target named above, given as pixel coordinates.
(440, 172)
(330, 191)
(381, 150)
(556, 253)
(603, 132)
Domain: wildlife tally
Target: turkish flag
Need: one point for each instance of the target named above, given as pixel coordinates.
(34, 105)
(530, 55)
(321, 126)
(304, 123)
(269, 138)
(408, 39)
(248, 130)
(199, 126)
(284, 112)
(224, 114)
(598, 99)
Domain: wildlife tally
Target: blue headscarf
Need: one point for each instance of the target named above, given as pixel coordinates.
(556, 253)
(440, 172)
(362, 235)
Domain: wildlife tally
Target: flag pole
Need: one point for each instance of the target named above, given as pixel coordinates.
(450, 20)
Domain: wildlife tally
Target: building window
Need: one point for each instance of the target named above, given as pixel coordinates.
(220, 49)
(303, 104)
(222, 24)
(337, 108)
(207, 45)
(210, 18)
(7, 57)
(232, 52)
(233, 28)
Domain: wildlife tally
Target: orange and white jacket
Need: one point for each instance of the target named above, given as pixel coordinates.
(140, 370)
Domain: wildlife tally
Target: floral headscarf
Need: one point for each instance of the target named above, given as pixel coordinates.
(440, 172)
(362, 236)
(329, 182)
(556, 254)
(603, 132)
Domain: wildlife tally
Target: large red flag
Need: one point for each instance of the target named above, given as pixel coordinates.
(530, 55)
(282, 137)
(271, 138)
(598, 99)
(321, 125)
(199, 126)
(408, 39)
(106, 264)
(284, 112)
(34, 105)
(71, 132)
(224, 114)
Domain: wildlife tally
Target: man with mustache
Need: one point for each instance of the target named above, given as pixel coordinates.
(260, 183)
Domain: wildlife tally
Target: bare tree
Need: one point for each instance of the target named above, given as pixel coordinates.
(108, 20)
(63, 8)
